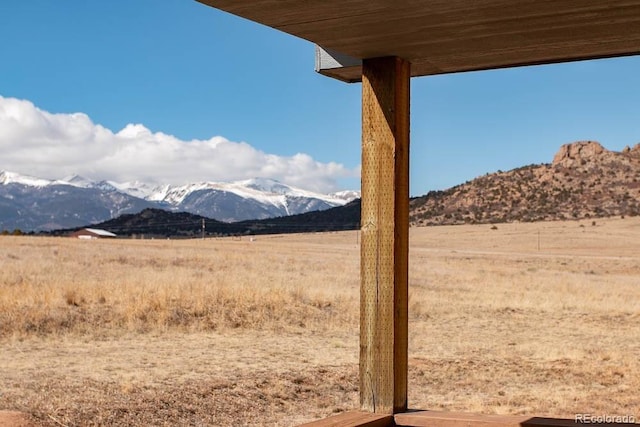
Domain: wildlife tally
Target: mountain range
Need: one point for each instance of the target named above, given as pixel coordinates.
(584, 181)
(36, 204)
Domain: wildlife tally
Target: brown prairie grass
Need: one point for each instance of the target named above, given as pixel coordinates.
(522, 319)
(53, 286)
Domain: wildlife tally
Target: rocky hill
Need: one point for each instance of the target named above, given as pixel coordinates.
(585, 180)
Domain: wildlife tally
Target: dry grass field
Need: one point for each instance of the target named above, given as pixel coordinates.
(537, 318)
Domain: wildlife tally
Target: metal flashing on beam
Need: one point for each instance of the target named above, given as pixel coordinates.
(338, 65)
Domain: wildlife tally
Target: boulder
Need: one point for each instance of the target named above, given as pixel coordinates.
(578, 153)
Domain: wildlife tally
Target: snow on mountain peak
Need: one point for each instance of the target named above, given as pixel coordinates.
(262, 190)
(135, 188)
(7, 177)
(266, 185)
(76, 181)
(227, 200)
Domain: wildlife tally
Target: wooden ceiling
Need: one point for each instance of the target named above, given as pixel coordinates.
(448, 36)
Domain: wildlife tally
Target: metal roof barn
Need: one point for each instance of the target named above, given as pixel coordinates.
(93, 233)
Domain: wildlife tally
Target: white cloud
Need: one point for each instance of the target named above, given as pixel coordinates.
(39, 143)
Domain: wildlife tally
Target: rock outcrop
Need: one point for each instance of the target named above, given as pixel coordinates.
(578, 153)
(634, 151)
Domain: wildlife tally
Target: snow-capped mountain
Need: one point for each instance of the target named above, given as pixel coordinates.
(257, 198)
(7, 178)
(31, 203)
(134, 188)
(76, 181)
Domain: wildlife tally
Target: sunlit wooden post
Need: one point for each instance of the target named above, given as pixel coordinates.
(385, 235)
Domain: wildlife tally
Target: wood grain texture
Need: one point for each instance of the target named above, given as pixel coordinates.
(385, 235)
(461, 419)
(439, 36)
(354, 419)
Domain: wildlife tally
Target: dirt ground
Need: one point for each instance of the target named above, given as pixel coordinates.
(15, 419)
(196, 379)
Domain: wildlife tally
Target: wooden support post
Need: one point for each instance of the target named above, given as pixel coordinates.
(385, 235)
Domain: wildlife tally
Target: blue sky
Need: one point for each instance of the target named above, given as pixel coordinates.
(189, 76)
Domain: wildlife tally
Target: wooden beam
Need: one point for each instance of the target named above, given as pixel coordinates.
(354, 419)
(385, 235)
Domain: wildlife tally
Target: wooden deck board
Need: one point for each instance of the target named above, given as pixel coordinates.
(459, 419)
(354, 419)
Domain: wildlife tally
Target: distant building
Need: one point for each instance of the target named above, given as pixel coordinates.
(93, 233)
